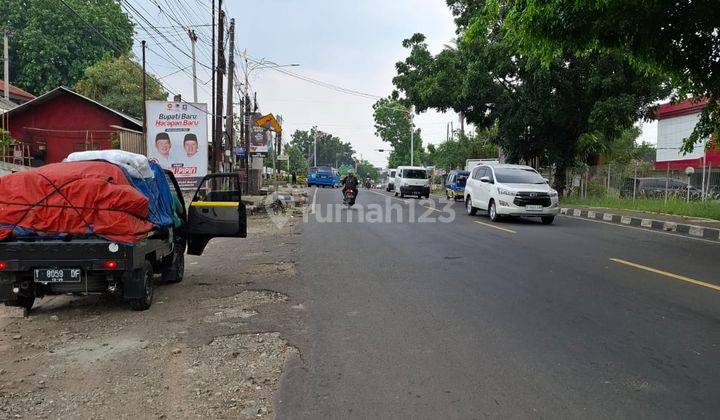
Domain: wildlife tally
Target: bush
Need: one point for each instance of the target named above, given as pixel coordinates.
(596, 188)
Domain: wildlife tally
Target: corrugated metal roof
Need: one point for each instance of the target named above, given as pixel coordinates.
(62, 89)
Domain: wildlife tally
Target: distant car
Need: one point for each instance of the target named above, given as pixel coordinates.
(412, 180)
(656, 187)
(455, 184)
(323, 176)
(391, 181)
(510, 190)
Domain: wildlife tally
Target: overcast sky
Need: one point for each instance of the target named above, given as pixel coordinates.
(352, 44)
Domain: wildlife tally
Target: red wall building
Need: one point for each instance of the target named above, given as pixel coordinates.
(60, 122)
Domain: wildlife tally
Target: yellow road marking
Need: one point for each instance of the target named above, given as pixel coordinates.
(665, 273)
(495, 227)
(214, 203)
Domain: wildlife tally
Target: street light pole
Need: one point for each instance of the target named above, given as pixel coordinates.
(412, 139)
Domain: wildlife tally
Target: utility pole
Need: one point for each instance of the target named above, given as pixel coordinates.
(247, 120)
(144, 91)
(229, 128)
(212, 72)
(193, 40)
(217, 139)
(315, 150)
(6, 64)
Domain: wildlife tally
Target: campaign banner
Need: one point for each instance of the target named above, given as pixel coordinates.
(177, 139)
(259, 136)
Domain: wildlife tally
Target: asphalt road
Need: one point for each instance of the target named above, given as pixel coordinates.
(460, 319)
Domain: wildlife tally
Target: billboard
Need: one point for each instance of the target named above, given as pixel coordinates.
(177, 139)
(259, 136)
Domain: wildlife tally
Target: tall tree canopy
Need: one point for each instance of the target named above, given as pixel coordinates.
(392, 125)
(678, 40)
(541, 110)
(330, 149)
(51, 46)
(117, 83)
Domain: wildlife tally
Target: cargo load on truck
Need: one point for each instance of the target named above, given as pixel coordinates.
(87, 196)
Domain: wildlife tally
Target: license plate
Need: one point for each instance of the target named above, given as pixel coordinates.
(533, 208)
(58, 275)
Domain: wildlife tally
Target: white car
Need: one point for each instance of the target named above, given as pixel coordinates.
(412, 180)
(510, 190)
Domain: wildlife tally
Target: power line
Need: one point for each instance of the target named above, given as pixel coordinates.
(112, 44)
(321, 83)
(182, 51)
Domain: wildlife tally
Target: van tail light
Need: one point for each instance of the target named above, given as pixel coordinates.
(3, 265)
(110, 264)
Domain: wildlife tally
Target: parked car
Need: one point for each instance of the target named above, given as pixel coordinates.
(391, 181)
(510, 190)
(412, 180)
(656, 187)
(455, 184)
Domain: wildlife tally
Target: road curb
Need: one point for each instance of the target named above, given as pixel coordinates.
(711, 234)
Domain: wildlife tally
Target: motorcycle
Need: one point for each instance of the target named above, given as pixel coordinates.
(349, 198)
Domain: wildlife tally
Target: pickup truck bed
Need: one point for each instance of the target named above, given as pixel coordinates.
(104, 266)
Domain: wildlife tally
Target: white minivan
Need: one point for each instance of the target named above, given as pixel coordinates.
(390, 181)
(412, 180)
(510, 190)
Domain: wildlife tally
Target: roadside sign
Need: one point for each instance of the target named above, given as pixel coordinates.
(177, 139)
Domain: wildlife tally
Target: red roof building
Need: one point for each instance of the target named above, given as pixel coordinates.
(17, 95)
(675, 123)
(62, 121)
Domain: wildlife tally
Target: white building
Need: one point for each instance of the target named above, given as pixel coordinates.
(676, 123)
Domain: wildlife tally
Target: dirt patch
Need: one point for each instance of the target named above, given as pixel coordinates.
(249, 366)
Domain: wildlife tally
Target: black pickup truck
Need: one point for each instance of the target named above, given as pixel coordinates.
(35, 267)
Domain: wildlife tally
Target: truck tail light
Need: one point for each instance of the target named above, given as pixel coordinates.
(110, 264)
(3, 265)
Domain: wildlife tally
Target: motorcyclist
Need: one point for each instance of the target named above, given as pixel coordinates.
(350, 181)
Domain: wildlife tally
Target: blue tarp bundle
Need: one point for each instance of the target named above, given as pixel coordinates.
(157, 190)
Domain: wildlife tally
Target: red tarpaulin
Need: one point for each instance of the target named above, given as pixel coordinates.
(74, 198)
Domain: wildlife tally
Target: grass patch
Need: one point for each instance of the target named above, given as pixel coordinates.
(675, 206)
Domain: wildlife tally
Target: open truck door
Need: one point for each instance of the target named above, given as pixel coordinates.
(216, 211)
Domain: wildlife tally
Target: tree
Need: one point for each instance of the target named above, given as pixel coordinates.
(366, 169)
(330, 149)
(674, 40)
(50, 46)
(541, 111)
(117, 83)
(297, 162)
(452, 154)
(392, 125)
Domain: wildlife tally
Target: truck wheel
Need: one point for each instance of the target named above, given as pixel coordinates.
(25, 302)
(145, 275)
(176, 272)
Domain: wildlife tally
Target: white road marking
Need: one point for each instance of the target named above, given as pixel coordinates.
(312, 206)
